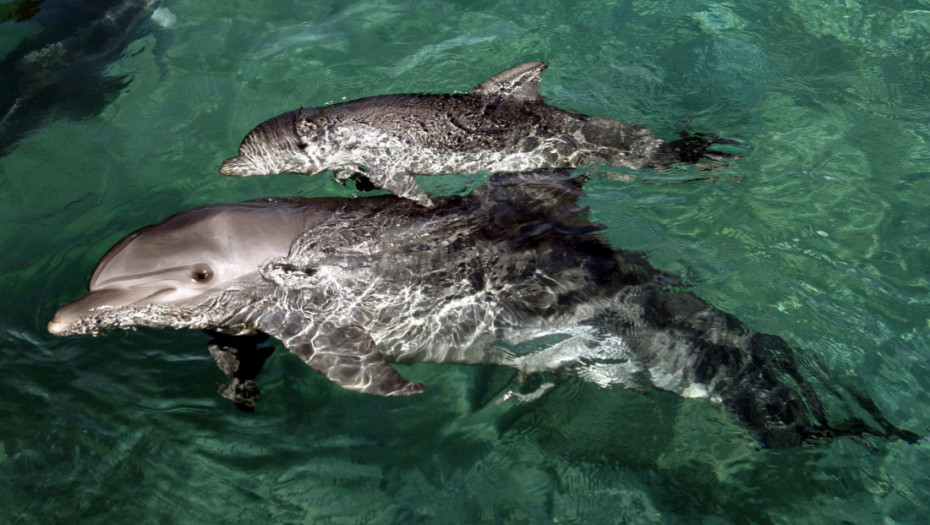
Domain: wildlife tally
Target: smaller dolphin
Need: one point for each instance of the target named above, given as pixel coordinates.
(511, 275)
(502, 125)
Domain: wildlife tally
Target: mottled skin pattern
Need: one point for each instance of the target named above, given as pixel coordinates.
(502, 125)
(369, 281)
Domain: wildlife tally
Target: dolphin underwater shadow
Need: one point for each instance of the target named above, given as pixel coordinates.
(60, 72)
(348, 285)
(502, 125)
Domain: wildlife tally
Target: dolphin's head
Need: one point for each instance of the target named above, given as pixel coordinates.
(278, 145)
(180, 262)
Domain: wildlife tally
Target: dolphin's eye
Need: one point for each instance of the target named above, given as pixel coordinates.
(201, 273)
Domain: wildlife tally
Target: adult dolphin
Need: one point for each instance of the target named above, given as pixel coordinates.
(350, 284)
(502, 125)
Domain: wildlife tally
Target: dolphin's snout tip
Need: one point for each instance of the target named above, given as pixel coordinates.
(57, 327)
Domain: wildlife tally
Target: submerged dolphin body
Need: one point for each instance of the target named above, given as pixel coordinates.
(511, 274)
(60, 72)
(502, 125)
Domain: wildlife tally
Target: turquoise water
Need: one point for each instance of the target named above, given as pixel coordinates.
(819, 235)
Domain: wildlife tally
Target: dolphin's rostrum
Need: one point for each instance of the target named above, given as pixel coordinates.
(348, 285)
(502, 125)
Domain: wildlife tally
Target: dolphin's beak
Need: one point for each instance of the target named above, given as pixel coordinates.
(57, 328)
(93, 303)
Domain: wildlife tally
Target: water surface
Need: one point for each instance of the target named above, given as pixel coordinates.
(819, 235)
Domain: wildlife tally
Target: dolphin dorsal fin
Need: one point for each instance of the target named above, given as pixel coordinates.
(520, 83)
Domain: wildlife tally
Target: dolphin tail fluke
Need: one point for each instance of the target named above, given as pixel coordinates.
(857, 427)
(755, 376)
(890, 430)
(780, 415)
(692, 148)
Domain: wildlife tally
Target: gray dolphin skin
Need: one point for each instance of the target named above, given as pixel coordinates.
(502, 125)
(513, 274)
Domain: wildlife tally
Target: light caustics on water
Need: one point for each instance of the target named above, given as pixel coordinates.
(817, 242)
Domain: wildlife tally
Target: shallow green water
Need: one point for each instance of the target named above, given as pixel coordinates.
(819, 235)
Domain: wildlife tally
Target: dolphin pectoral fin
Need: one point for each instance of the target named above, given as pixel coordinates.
(401, 184)
(349, 357)
(241, 359)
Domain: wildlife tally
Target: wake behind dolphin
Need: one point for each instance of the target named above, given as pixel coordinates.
(502, 125)
(349, 285)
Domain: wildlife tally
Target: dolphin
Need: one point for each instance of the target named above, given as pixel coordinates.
(513, 274)
(502, 125)
(60, 72)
